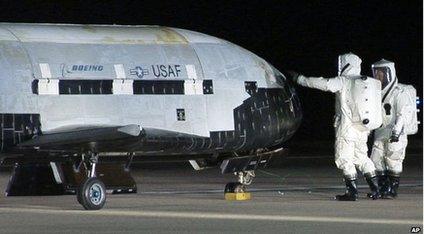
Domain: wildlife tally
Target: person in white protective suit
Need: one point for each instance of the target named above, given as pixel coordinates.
(358, 110)
(390, 140)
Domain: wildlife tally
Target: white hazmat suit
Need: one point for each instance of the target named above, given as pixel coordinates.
(358, 110)
(390, 140)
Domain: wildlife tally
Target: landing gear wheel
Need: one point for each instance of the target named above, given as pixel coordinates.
(235, 187)
(92, 194)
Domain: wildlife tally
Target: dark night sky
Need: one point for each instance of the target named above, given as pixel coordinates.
(306, 37)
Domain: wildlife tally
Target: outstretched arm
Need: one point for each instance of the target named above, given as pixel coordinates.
(325, 84)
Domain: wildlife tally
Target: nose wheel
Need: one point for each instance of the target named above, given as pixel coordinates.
(92, 192)
(237, 190)
(235, 187)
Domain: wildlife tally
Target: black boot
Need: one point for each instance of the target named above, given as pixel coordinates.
(351, 191)
(383, 184)
(372, 181)
(394, 185)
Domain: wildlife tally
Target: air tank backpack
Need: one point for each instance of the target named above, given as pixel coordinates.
(366, 95)
(410, 111)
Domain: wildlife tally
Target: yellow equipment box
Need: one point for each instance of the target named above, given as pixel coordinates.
(237, 196)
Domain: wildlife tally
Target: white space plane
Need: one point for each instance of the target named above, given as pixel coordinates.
(80, 103)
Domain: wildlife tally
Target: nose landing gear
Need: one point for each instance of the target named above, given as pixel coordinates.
(237, 190)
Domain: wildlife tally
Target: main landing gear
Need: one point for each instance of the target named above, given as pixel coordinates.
(237, 190)
(92, 192)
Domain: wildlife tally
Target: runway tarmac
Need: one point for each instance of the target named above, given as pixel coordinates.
(294, 196)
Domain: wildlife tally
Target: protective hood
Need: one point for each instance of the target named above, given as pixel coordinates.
(349, 65)
(385, 71)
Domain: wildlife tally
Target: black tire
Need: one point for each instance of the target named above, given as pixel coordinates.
(239, 188)
(92, 194)
(229, 188)
(234, 187)
(79, 195)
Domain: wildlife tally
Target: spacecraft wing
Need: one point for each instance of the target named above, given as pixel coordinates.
(79, 135)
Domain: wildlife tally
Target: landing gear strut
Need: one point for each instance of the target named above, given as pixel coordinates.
(245, 177)
(92, 192)
(237, 190)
